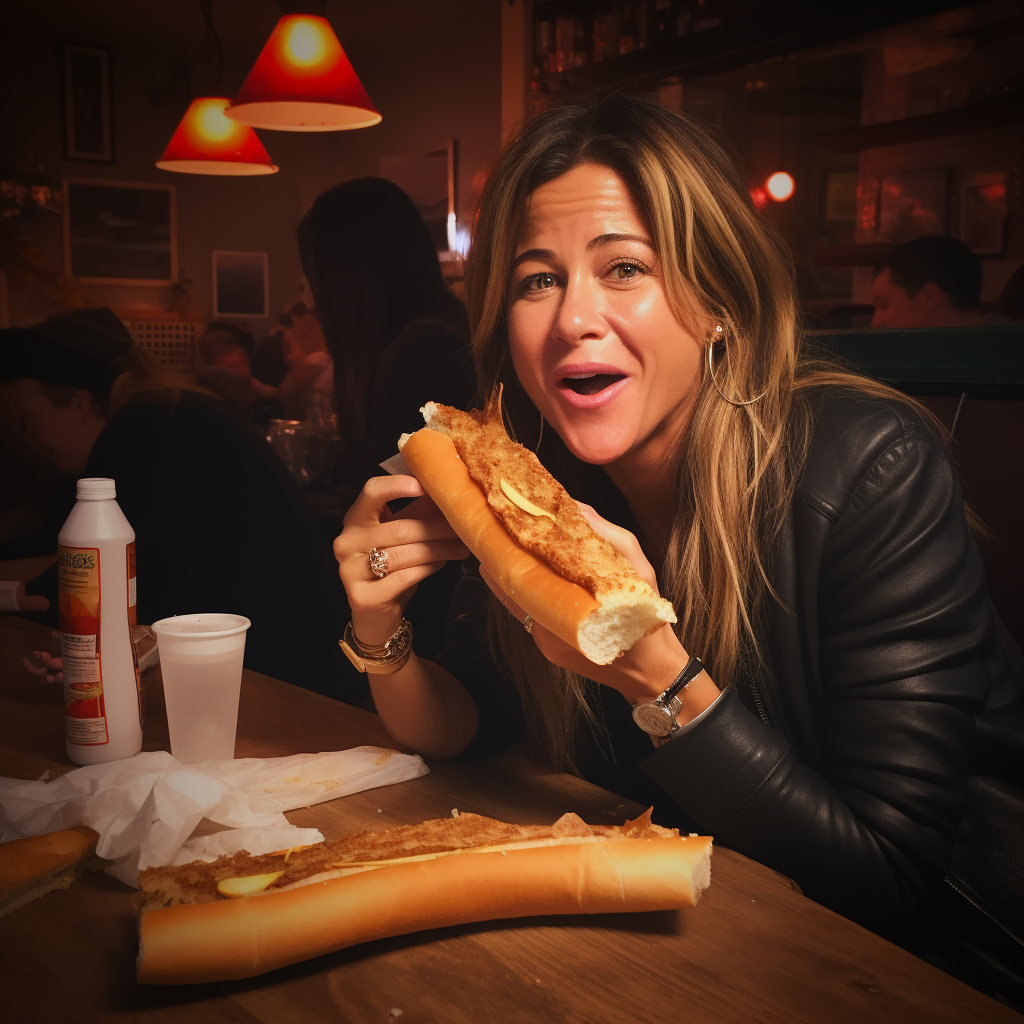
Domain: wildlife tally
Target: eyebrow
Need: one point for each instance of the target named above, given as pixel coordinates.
(594, 243)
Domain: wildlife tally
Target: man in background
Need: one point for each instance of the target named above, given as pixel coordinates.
(933, 281)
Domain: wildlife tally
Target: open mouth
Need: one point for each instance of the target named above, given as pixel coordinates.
(592, 383)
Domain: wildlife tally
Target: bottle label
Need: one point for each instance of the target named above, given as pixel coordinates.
(132, 621)
(85, 717)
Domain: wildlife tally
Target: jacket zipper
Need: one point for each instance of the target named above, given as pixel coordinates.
(977, 906)
(757, 701)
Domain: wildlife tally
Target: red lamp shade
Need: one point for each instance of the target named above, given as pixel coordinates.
(303, 82)
(206, 142)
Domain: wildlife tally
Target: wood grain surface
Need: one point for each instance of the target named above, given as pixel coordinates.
(753, 950)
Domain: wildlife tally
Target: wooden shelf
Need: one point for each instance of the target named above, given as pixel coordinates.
(975, 118)
(772, 31)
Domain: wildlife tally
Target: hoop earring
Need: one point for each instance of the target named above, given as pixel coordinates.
(536, 450)
(711, 372)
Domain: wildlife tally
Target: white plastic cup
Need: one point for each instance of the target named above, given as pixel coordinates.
(201, 663)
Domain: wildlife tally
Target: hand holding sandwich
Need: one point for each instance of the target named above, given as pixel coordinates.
(421, 704)
(640, 673)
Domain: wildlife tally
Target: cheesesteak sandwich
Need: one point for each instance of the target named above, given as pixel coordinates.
(529, 533)
(243, 915)
(32, 867)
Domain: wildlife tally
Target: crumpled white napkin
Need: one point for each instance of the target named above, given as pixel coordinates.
(146, 807)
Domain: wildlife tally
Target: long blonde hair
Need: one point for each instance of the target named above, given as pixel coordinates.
(722, 265)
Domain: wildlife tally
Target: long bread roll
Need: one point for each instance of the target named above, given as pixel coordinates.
(32, 867)
(529, 533)
(600, 869)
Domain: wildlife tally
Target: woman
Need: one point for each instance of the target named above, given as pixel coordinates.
(805, 522)
(307, 390)
(397, 336)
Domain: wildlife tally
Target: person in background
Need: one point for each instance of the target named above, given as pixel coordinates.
(307, 390)
(933, 281)
(1011, 299)
(225, 369)
(399, 338)
(220, 522)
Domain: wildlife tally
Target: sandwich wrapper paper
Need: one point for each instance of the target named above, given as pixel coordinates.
(146, 807)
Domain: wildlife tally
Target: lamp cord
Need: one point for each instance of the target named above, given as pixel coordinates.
(206, 6)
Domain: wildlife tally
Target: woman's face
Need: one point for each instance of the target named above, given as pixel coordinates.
(300, 334)
(593, 338)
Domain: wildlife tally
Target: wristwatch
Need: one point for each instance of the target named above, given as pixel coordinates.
(658, 717)
(390, 656)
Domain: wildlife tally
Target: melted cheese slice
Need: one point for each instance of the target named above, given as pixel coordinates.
(524, 503)
(247, 886)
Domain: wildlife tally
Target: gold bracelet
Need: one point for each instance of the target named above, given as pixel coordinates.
(379, 660)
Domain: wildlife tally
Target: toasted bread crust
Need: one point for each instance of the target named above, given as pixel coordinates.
(635, 867)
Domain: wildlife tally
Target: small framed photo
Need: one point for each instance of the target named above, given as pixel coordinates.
(840, 198)
(88, 119)
(914, 203)
(984, 211)
(120, 232)
(241, 284)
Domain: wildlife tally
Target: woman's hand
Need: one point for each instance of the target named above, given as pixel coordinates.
(649, 666)
(45, 667)
(417, 542)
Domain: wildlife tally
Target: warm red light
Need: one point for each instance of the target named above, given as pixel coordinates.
(303, 82)
(994, 192)
(206, 142)
(759, 198)
(780, 186)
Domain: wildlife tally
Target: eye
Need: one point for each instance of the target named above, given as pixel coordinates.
(539, 282)
(628, 270)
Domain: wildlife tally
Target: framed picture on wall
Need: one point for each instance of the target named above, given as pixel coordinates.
(428, 178)
(984, 211)
(88, 118)
(120, 232)
(914, 203)
(241, 285)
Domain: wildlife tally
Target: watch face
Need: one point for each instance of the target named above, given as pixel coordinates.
(654, 719)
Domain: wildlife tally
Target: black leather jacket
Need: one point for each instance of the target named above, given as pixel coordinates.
(879, 749)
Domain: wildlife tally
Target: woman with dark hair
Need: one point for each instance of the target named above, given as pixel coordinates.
(398, 338)
(856, 719)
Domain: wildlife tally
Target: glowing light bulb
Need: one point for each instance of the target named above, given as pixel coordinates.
(305, 43)
(780, 186)
(211, 122)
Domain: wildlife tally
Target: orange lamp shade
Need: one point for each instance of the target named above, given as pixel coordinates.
(303, 82)
(780, 186)
(206, 142)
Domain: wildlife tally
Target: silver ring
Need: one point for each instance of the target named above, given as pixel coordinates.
(528, 623)
(378, 562)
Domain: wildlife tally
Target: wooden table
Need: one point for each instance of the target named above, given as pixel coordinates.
(753, 950)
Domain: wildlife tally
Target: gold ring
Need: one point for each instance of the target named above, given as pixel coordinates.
(378, 562)
(528, 623)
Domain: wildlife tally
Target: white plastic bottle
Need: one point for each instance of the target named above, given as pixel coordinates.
(96, 572)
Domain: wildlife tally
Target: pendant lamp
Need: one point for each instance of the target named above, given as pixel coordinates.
(303, 82)
(206, 142)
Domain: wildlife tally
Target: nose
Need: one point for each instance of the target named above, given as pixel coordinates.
(580, 314)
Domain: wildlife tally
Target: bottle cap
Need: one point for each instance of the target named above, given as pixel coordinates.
(96, 488)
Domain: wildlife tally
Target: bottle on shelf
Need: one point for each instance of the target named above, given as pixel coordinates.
(96, 576)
